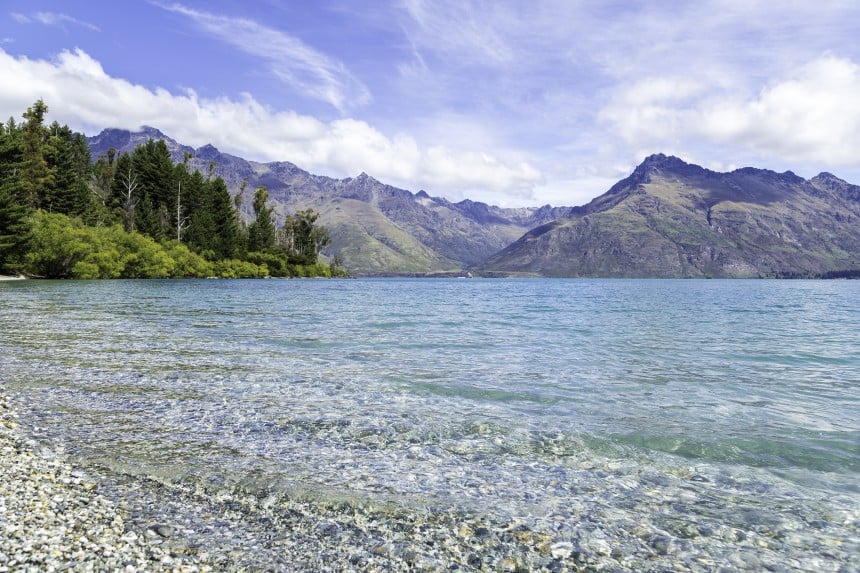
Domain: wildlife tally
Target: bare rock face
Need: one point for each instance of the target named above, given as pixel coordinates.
(673, 219)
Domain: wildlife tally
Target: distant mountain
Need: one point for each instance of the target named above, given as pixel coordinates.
(375, 228)
(673, 219)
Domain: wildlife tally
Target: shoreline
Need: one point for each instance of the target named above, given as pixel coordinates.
(53, 518)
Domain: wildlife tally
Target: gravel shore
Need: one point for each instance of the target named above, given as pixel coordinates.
(55, 517)
(52, 517)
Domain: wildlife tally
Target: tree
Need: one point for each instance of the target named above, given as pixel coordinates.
(14, 227)
(60, 214)
(261, 233)
(100, 183)
(11, 153)
(226, 230)
(128, 189)
(155, 171)
(302, 239)
(14, 214)
(35, 174)
(68, 159)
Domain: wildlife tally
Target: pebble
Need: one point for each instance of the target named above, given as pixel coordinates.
(54, 517)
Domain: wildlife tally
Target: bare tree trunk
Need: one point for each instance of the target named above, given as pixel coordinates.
(130, 185)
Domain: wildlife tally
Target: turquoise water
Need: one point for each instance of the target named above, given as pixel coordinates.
(521, 398)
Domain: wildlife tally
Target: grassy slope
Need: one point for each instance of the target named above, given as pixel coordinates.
(373, 244)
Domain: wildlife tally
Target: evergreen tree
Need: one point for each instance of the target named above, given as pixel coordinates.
(11, 151)
(148, 220)
(68, 159)
(155, 171)
(226, 229)
(14, 215)
(14, 226)
(195, 204)
(35, 173)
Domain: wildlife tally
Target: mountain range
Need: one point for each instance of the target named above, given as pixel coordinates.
(673, 219)
(669, 218)
(376, 229)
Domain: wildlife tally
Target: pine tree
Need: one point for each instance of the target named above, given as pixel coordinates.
(226, 230)
(68, 159)
(155, 171)
(201, 227)
(14, 215)
(35, 173)
(14, 226)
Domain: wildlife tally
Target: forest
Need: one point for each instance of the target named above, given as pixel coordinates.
(138, 215)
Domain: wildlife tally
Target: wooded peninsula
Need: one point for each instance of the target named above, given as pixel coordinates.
(138, 215)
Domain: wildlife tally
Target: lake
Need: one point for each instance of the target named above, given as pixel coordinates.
(643, 423)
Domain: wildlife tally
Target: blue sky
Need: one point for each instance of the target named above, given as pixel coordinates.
(510, 102)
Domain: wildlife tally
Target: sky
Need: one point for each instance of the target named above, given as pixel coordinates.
(514, 103)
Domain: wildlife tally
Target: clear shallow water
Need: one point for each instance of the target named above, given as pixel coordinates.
(737, 401)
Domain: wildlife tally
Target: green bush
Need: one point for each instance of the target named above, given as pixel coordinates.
(188, 263)
(236, 269)
(63, 247)
(57, 244)
(275, 263)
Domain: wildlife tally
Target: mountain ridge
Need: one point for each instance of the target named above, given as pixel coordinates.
(375, 228)
(669, 218)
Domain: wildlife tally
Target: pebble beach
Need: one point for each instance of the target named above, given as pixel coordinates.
(53, 518)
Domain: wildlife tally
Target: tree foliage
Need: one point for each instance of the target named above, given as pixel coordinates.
(134, 215)
(261, 233)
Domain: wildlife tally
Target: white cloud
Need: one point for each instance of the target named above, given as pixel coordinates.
(813, 116)
(52, 19)
(290, 60)
(80, 93)
(810, 117)
(467, 30)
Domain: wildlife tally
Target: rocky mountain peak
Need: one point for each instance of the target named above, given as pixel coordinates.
(661, 161)
(658, 163)
(668, 164)
(208, 152)
(125, 141)
(768, 175)
(829, 182)
(152, 133)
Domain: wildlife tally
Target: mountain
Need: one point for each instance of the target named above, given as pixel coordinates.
(375, 228)
(673, 219)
